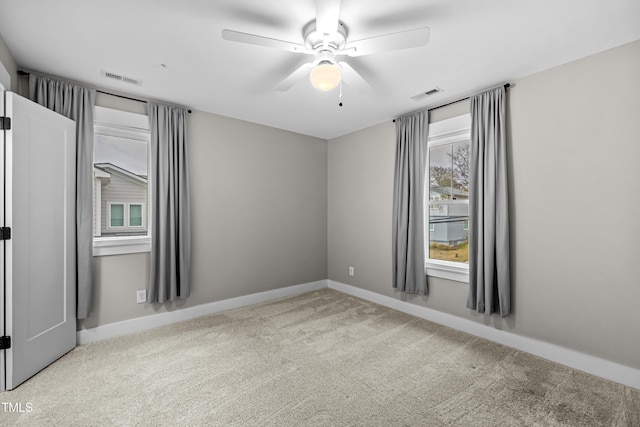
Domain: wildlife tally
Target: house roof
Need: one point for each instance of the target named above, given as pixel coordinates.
(111, 168)
(448, 190)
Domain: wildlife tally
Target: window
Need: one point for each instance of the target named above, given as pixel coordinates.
(116, 215)
(120, 187)
(447, 195)
(125, 219)
(135, 215)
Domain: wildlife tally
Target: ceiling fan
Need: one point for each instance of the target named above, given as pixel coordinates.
(327, 39)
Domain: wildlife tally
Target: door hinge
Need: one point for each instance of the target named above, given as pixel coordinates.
(5, 123)
(5, 342)
(5, 233)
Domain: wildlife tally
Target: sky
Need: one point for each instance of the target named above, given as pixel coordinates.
(125, 153)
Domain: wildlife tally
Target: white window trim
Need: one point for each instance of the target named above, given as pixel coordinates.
(128, 125)
(121, 245)
(455, 271)
(447, 131)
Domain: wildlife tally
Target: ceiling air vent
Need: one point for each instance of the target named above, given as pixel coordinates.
(122, 78)
(423, 95)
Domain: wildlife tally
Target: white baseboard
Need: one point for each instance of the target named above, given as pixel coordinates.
(138, 324)
(593, 365)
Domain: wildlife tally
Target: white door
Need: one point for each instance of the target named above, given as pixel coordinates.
(39, 268)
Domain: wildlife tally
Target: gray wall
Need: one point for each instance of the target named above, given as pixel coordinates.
(262, 219)
(9, 64)
(259, 215)
(574, 133)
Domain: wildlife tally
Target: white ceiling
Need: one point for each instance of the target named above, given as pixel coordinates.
(473, 45)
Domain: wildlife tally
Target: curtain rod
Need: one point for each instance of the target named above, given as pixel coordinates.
(26, 73)
(126, 97)
(506, 86)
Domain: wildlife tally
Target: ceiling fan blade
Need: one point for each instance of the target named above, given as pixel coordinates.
(395, 41)
(237, 36)
(327, 16)
(352, 78)
(293, 78)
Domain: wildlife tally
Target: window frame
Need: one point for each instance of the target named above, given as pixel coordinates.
(448, 131)
(124, 124)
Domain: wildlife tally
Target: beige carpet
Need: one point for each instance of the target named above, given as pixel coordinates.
(319, 359)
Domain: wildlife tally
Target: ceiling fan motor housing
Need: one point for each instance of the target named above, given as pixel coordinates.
(325, 57)
(314, 40)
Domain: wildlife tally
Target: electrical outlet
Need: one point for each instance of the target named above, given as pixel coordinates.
(141, 296)
(352, 271)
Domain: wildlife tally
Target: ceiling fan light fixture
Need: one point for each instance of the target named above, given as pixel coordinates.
(325, 76)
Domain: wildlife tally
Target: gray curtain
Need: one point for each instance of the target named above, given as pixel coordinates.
(170, 207)
(408, 260)
(76, 103)
(489, 272)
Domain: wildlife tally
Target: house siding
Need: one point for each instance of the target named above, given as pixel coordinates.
(450, 233)
(119, 189)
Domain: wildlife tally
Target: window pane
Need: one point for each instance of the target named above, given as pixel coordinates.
(449, 233)
(120, 173)
(448, 184)
(461, 170)
(117, 215)
(440, 172)
(135, 215)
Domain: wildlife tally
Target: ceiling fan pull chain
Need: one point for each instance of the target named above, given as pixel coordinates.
(340, 103)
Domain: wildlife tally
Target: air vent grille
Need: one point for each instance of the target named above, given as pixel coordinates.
(122, 78)
(426, 94)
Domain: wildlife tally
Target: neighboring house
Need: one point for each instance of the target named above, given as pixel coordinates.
(121, 198)
(449, 223)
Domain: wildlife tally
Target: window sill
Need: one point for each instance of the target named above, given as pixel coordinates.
(103, 246)
(448, 270)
